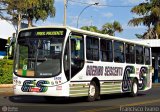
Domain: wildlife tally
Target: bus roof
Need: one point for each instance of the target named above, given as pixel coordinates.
(92, 34)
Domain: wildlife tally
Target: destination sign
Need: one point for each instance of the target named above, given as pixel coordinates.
(43, 32)
(49, 33)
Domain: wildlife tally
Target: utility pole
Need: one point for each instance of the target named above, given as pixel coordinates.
(65, 12)
(91, 20)
(19, 22)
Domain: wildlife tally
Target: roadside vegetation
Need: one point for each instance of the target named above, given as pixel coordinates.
(6, 68)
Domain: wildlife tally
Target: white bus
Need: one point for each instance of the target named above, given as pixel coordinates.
(68, 62)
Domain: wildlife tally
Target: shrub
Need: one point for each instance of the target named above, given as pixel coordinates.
(6, 71)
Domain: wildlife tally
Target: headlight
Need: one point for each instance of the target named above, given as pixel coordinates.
(52, 82)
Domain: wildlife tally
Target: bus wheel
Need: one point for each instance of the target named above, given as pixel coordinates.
(134, 89)
(93, 92)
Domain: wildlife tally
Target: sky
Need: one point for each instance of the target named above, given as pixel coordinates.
(93, 15)
(6, 29)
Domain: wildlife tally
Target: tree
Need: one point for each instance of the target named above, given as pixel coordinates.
(90, 28)
(29, 9)
(2, 9)
(149, 15)
(108, 28)
(139, 36)
(111, 28)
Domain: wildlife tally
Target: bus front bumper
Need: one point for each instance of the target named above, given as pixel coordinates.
(59, 91)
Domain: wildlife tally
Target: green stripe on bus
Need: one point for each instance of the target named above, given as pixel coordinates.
(76, 95)
(110, 92)
(118, 85)
(117, 88)
(79, 88)
(110, 83)
(77, 92)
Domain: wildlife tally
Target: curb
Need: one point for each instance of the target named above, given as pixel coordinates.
(155, 84)
(6, 85)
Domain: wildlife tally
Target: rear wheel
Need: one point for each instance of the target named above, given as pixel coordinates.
(93, 92)
(134, 89)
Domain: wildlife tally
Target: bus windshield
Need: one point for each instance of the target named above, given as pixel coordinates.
(39, 52)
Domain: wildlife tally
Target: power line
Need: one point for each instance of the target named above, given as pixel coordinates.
(78, 2)
(84, 3)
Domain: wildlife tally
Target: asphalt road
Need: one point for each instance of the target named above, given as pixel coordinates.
(148, 101)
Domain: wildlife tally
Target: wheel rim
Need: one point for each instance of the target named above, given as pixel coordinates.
(135, 88)
(92, 90)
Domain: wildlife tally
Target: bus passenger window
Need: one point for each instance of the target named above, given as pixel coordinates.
(106, 50)
(147, 56)
(118, 52)
(139, 55)
(92, 48)
(130, 53)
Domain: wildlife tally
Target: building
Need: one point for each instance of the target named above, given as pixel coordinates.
(7, 30)
(155, 46)
(3, 48)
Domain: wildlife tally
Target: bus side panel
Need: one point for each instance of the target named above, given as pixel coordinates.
(110, 78)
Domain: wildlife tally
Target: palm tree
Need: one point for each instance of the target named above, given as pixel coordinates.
(91, 28)
(111, 28)
(108, 28)
(149, 13)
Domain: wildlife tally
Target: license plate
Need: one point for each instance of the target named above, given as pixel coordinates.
(35, 89)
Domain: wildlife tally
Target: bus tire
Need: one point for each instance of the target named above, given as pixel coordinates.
(93, 92)
(134, 88)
